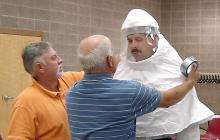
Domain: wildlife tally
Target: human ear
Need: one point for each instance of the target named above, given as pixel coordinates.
(38, 67)
(109, 61)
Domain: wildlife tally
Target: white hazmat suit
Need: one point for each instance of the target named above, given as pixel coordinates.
(162, 71)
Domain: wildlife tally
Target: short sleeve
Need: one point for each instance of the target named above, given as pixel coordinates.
(145, 100)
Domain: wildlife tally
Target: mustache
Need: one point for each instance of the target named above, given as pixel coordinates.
(135, 50)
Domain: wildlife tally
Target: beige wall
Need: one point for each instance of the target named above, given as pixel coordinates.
(191, 26)
(66, 22)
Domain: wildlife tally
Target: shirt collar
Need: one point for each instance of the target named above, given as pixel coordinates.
(97, 76)
(48, 92)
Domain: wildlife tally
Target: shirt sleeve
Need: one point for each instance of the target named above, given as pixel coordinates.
(69, 78)
(146, 100)
(22, 126)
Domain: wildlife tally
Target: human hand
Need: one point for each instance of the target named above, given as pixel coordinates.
(194, 75)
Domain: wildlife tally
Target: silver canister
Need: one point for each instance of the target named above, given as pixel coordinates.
(186, 65)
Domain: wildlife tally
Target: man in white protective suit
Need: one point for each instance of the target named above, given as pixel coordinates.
(147, 57)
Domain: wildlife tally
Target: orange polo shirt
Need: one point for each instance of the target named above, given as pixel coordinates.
(39, 114)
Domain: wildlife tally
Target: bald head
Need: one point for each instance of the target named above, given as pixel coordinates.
(89, 44)
(93, 52)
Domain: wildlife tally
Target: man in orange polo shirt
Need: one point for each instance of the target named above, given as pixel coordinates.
(38, 113)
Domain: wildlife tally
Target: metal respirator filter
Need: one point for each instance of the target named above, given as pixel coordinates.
(204, 77)
(186, 65)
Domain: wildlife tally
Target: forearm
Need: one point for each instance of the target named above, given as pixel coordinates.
(175, 94)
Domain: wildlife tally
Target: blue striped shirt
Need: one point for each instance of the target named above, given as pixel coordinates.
(101, 108)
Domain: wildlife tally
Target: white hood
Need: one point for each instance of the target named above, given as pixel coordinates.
(139, 17)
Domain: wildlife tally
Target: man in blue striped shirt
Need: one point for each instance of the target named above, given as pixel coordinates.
(102, 108)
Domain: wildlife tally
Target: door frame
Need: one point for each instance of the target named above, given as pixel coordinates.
(21, 32)
(24, 32)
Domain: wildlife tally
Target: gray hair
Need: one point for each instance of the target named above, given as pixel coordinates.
(31, 53)
(96, 59)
